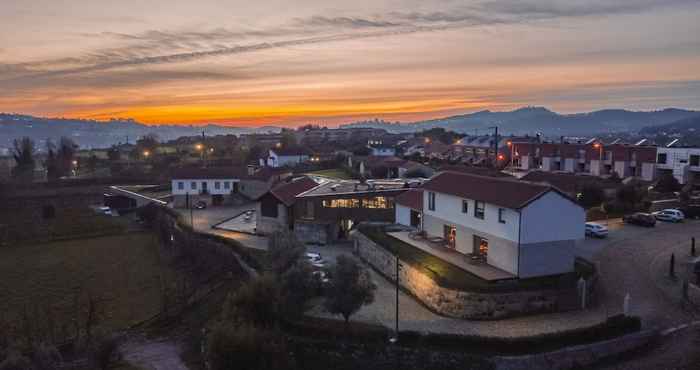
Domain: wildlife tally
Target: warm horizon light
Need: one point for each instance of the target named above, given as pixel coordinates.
(330, 62)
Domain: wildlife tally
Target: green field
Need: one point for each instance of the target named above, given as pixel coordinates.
(337, 173)
(123, 271)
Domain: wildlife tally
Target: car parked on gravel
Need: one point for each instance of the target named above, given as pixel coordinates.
(315, 260)
(640, 219)
(669, 215)
(596, 230)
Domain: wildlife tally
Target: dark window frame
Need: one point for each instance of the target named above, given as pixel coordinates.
(431, 201)
(479, 209)
(465, 206)
(501, 213)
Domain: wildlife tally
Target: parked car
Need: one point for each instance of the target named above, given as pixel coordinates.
(596, 230)
(691, 211)
(200, 205)
(315, 260)
(669, 215)
(641, 219)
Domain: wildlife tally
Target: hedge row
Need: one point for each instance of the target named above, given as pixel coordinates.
(324, 329)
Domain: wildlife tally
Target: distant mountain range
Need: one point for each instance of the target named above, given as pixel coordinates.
(529, 120)
(101, 134)
(532, 120)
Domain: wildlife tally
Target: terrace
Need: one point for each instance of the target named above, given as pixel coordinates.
(474, 266)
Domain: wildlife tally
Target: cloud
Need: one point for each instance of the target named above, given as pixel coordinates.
(166, 47)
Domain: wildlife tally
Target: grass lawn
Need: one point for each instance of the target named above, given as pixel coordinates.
(337, 173)
(123, 271)
(450, 276)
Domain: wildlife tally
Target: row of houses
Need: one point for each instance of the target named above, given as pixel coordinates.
(522, 228)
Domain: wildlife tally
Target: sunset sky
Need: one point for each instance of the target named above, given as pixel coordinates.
(290, 62)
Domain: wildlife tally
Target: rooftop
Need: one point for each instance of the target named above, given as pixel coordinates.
(509, 193)
(413, 198)
(336, 187)
(287, 192)
(264, 173)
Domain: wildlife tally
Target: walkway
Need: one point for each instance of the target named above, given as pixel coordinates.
(152, 355)
(204, 219)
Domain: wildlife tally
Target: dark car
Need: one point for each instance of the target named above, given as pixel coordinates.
(641, 219)
(200, 205)
(691, 211)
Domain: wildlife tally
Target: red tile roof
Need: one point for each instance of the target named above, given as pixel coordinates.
(509, 193)
(287, 192)
(412, 198)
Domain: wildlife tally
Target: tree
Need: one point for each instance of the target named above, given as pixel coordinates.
(114, 154)
(289, 140)
(298, 285)
(23, 152)
(591, 195)
(349, 289)
(254, 154)
(243, 346)
(667, 183)
(284, 250)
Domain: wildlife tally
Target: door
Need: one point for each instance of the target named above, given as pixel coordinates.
(450, 235)
(481, 246)
(235, 187)
(415, 219)
(205, 190)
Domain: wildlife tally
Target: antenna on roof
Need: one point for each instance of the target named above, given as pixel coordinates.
(640, 142)
(672, 143)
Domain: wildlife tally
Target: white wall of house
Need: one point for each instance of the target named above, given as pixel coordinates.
(403, 215)
(275, 160)
(194, 186)
(552, 217)
(449, 207)
(570, 164)
(678, 160)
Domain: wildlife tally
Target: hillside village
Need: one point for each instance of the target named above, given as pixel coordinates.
(521, 231)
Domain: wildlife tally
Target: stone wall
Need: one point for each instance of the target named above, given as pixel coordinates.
(576, 357)
(455, 303)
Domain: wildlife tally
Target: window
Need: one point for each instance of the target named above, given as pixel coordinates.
(431, 201)
(227, 185)
(341, 203)
(501, 215)
(181, 185)
(378, 202)
(479, 209)
(193, 185)
(217, 185)
(695, 160)
(465, 206)
(661, 159)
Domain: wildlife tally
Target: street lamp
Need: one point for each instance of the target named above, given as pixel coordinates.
(600, 160)
(146, 153)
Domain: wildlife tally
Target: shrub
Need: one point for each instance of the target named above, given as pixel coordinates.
(45, 357)
(667, 183)
(15, 361)
(247, 348)
(591, 196)
(298, 287)
(256, 302)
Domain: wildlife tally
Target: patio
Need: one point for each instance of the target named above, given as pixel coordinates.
(480, 269)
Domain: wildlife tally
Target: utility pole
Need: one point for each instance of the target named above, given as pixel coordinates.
(495, 145)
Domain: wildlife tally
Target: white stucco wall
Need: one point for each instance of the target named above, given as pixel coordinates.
(449, 207)
(552, 217)
(403, 215)
(569, 165)
(211, 186)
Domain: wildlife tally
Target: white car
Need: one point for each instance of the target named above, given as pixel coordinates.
(669, 215)
(596, 230)
(315, 260)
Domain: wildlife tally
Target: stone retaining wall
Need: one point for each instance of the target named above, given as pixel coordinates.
(577, 356)
(455, 303)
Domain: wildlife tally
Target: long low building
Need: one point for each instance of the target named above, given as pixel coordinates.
(526, 229)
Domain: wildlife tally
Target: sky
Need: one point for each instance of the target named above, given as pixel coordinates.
(283, 62)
